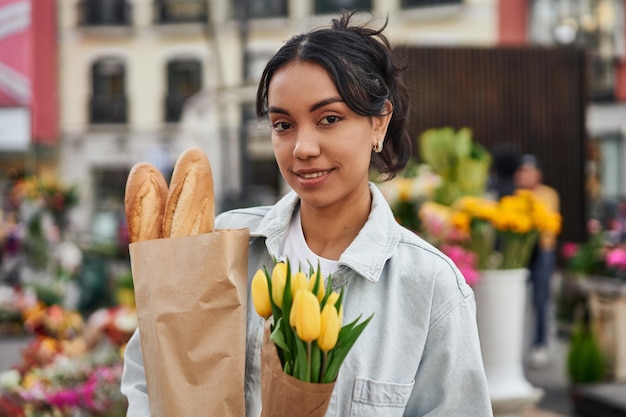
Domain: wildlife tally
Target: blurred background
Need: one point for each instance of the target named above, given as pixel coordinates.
(88, 88)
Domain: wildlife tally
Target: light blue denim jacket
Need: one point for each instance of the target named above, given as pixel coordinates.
(420, 354)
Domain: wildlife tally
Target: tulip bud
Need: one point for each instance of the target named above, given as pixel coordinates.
(279, 278)
(307, 316)
(261, 294)
(332, 300)
(321, 291)
(299, 281)
(329, 329)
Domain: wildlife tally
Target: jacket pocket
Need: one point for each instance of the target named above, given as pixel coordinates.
(380, 399)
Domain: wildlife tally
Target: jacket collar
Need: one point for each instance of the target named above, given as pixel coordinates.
(366, 255)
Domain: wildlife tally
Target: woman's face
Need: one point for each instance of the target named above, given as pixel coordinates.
(323, 148)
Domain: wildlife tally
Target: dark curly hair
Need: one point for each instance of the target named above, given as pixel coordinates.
(361, 64)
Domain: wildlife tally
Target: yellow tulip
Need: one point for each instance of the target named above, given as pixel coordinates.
(261, 294)
(307, 316)
(321, 291)
(299, 281)
(279, 278)
(329, 330)
(332, 300)
(461, 220)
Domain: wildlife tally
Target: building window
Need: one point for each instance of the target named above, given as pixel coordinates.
(184, 79)
(260, 174)
(108, 190)
(104, 12)
(108, 99)
(181, 11)
(255, 64)
(259, 9)
(409, 4)
(336, 6)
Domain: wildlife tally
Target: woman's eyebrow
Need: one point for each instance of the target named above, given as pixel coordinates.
(325, 102)
(274, 109)
(314, 107)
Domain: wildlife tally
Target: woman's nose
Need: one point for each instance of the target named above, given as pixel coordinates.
(307, 144)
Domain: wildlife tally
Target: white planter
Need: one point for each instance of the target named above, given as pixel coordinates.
(500, 311)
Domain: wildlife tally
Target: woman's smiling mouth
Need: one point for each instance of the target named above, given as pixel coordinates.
(311, 175)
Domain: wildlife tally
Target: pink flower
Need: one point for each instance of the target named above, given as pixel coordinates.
(569, 250)
(616, 258)
(465, 260)
(65, 398)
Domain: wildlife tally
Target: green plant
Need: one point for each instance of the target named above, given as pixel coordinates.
(585, 361)
(462, 164)
(125, 281)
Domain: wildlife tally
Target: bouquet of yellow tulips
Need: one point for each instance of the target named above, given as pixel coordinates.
(307, 336)
(504, 233)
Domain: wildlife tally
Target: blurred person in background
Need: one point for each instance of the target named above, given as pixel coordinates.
(506, 161)
(542, 264)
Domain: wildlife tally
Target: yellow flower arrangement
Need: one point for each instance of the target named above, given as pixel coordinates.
(307, 331)
(504, 233)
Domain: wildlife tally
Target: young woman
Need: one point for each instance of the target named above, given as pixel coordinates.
(337, 108)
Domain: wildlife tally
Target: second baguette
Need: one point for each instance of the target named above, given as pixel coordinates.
(190, 206)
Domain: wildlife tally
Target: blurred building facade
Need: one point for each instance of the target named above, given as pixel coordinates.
(141, 80)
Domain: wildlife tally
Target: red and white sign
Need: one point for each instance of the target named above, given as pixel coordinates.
(28, 64)
(15, 53)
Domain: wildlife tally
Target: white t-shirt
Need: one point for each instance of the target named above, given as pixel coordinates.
(298, 252)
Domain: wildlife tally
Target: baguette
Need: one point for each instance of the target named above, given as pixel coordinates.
(190, 205)
(144, 202)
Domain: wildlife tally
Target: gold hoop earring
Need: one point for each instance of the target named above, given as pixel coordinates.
(378, 148)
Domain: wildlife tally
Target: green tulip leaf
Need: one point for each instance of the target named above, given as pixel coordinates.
(316, 362)
(301, 366)
(278, 336)
(344, 344)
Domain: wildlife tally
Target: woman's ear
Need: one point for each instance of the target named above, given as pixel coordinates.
(380, 123)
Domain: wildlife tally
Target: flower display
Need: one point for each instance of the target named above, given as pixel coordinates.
(616, 260)
(66, 384)
(117, 324)
(589, 257)
(55, 196)
(14, 302)
(504, 233)
(53, 321)
(405, 193)
(64, 374)
(595, 257)
(307, 330)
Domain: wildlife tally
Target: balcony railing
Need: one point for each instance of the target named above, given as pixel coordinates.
(408, 4)
(334, 6)
(261, 9)
(108, 109)
(180, 11)
(104, 13)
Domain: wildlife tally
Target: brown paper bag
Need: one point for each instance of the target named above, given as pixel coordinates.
(285, 396)
(191, 295)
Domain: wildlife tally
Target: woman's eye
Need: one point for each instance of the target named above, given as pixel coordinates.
(329, 120)
(280, 126)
